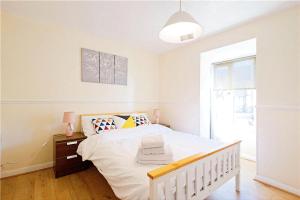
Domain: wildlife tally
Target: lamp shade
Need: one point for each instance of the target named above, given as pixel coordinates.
(156, 113)
(69, 117)
(180, 28)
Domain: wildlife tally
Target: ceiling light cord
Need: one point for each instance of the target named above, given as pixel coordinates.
(180, 6)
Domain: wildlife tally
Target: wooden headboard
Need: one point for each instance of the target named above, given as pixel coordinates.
(119, 113)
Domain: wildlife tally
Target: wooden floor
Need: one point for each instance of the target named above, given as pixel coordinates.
(90, 185)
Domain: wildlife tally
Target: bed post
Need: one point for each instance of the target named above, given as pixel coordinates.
(153, 189)
(237, 182)
(237, 176)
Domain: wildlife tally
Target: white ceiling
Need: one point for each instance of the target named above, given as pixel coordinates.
(139, 22)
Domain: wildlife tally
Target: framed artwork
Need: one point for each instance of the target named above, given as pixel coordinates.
(107, 68)
(90, 66)
(100, 67)
(121, 70)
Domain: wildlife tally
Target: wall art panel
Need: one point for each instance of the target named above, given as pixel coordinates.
(107, 68)
(121, 70)
(89, 66)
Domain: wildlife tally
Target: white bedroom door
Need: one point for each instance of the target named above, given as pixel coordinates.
(233, 100)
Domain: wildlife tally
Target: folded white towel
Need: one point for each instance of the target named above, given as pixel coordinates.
(167, 156)
(152, 141)
(156, 150)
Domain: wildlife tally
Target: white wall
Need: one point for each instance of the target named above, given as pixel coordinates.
(41, 78)
(0, 97)
(278, 94)
(298, 25)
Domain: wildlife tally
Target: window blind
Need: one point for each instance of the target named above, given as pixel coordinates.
(234, 74)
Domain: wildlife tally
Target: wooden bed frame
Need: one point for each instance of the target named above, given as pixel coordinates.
(194, 177)
(197, 176)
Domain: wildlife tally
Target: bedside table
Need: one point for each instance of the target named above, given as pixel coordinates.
(66, 160)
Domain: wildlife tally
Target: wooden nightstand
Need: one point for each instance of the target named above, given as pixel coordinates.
(66, 160)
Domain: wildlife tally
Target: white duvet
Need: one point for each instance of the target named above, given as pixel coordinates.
(114, 155)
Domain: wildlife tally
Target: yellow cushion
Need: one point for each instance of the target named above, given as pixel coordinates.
(129, 123)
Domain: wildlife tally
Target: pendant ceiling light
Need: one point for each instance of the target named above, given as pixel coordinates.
(180, 28)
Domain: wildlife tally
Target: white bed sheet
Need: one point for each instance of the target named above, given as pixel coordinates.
(114, 155)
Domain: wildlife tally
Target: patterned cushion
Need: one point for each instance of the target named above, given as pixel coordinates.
(124, 121)
(103, 124)
(141, 120)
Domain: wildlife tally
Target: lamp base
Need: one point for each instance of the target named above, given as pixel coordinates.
(69, 134)
(157, 121)
(69, 130)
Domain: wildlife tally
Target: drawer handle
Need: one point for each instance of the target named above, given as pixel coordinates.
(71, 157)
(71, 143)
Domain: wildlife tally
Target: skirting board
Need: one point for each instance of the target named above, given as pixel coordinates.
(248, 157)
(277, 184)
(24, 170)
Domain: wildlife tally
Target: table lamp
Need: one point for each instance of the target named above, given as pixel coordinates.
(156, 113)
(69, 119)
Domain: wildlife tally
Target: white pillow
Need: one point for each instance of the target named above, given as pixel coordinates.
(87, 126)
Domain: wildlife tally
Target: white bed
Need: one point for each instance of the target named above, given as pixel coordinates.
(114, 155)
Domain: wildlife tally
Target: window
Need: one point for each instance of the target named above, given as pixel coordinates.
(233, 99)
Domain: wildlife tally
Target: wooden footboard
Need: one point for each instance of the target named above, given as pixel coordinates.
(197, 176)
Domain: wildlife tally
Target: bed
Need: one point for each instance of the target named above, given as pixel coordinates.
(200, 166)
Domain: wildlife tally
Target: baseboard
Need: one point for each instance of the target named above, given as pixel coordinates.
(277, 184)
(247, 157)
(24, 170)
